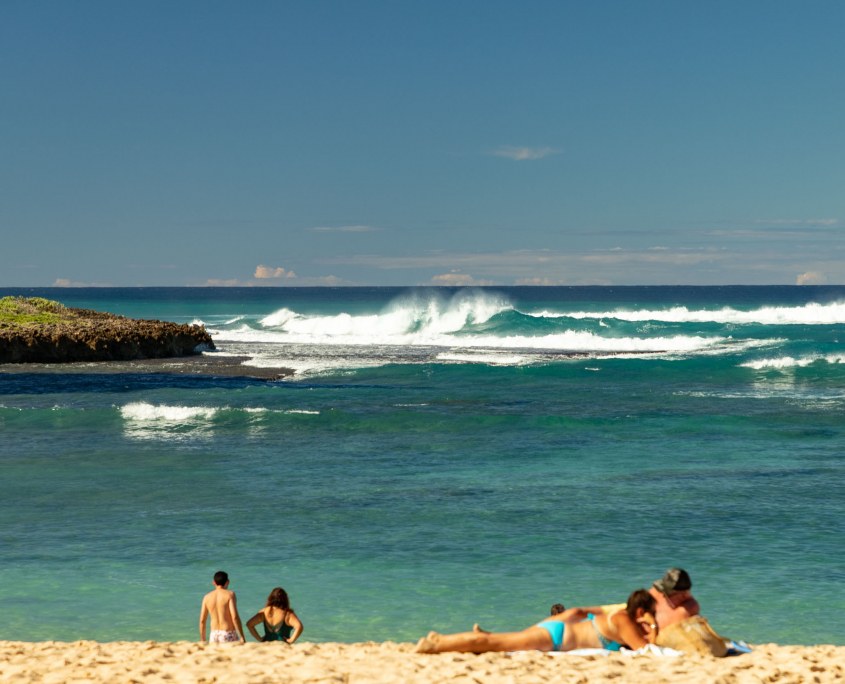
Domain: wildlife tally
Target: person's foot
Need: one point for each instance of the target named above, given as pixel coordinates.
(427, 644)
(477, 629)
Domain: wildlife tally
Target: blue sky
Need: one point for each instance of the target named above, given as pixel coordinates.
(413, 143)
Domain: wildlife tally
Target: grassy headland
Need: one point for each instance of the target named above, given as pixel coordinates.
(37, 330)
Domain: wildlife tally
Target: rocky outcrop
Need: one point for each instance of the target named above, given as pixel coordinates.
(85, 335)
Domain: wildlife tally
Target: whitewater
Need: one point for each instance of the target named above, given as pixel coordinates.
(474, 326)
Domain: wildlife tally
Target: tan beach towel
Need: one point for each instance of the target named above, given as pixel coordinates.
(693, 635)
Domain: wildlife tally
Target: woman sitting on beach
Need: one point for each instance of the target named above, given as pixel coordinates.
(280, 622)
(633, 627)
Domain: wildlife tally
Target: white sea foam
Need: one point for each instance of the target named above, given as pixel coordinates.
(424, 329)
(314, 365)
(490, 359)
(408, 321)
(785, 362)
(142, 411)
(571, 340)
(808, 314)
(145, 421)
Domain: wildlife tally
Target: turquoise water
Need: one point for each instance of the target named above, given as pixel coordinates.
(440, 457)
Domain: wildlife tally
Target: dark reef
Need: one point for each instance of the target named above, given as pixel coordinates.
(40, 331)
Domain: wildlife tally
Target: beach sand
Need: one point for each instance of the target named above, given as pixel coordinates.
(89, 661)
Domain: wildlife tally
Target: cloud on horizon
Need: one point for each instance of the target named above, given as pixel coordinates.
(457, 279)
(457, 261)
(616, 265)
(67, 282)
(295, 281)
(811, 278)
(272, 273)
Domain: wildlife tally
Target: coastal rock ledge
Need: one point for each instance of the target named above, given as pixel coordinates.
(36, 330)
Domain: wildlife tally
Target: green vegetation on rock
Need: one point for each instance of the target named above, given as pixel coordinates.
(37, 330)
(32, 311)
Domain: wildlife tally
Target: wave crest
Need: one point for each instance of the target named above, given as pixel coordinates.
(791, 362)
(808, 314)
(419, 317)
(142, 411)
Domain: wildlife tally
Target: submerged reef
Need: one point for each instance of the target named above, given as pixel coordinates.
(37, 330)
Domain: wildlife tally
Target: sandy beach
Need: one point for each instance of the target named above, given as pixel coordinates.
(89, 661)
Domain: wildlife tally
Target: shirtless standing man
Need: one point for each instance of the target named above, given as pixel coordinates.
(222, 606)
(674, 602)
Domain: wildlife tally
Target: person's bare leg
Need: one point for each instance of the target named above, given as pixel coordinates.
(531, 639)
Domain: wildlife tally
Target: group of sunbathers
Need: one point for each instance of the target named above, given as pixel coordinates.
(634, 624)
(279, 620)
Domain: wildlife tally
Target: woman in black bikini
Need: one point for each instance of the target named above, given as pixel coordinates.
(280, 622)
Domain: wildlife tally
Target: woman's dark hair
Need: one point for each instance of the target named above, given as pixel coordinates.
(557, 609)
(639, 599)
(278, 598)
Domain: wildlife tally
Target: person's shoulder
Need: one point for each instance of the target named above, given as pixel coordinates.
(619, 617)
(692, 606)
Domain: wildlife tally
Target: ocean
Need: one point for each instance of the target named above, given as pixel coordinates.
(437, 457)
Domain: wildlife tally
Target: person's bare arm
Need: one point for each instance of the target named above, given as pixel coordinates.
(293, 621)
(233, 611)
(571, 615)
(203, 620)
(252, 622)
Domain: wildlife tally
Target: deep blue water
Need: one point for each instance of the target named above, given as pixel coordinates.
(440, 457)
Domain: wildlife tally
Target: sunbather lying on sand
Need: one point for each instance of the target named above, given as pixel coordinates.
(586, 627)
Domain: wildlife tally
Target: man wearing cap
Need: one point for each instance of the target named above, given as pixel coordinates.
(674, 602)
(677, 614)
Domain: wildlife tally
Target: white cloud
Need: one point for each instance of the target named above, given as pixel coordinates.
(344, 229)
(538, 281)
(269, 272)
(67, 282)
(523, 153)
(811, 278)
(455, 279)
(225, 282)
(526, 263)
(289, 279)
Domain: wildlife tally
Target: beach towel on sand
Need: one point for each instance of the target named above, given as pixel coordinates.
(649, 649)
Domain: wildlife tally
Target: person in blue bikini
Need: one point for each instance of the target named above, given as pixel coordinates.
(279, 620)
(586, 627)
